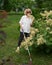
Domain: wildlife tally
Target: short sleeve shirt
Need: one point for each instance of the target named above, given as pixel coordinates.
(26, 23)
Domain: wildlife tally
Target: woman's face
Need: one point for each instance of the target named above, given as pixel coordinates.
(28, 14)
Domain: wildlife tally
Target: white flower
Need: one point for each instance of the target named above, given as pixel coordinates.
(49, 22)
(33, 33)
(42, 14)
(50, 12)
(46, 13)
(36, 30)
(23, 44)
(50, 32)
(47, 28)
(30, 43)
(41, 40)
(26, 47)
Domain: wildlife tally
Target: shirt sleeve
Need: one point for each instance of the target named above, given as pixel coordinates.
(21, 20)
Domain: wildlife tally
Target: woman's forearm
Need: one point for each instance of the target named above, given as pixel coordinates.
(21, 26)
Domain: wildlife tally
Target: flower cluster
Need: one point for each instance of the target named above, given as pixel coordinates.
(46, 13)
(34, 31)
(47, 28)
(41, 40)
(49, 22)
(50, 32)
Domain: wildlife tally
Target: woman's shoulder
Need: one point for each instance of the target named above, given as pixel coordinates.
(23, 16)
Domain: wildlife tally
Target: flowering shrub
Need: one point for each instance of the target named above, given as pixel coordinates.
(41, 33)
(44, 36)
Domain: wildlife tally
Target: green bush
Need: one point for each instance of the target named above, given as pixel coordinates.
(15, 13)
(44, 36)
(36, 13)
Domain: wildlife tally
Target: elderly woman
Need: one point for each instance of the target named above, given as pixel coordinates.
(25, 24)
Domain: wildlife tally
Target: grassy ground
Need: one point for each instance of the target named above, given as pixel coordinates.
(12, 32)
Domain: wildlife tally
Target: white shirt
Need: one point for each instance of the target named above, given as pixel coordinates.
(26, 23)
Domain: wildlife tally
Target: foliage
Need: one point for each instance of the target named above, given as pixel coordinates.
(44, 37)
(44, 4)
(6, 5)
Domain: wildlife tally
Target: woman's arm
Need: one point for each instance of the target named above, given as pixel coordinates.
(32, 17)
(21, 22)
(20, 25)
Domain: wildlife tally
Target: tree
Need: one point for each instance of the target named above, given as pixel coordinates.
(1, 4)
(20, 4)
(44, 4)
(6, 6)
